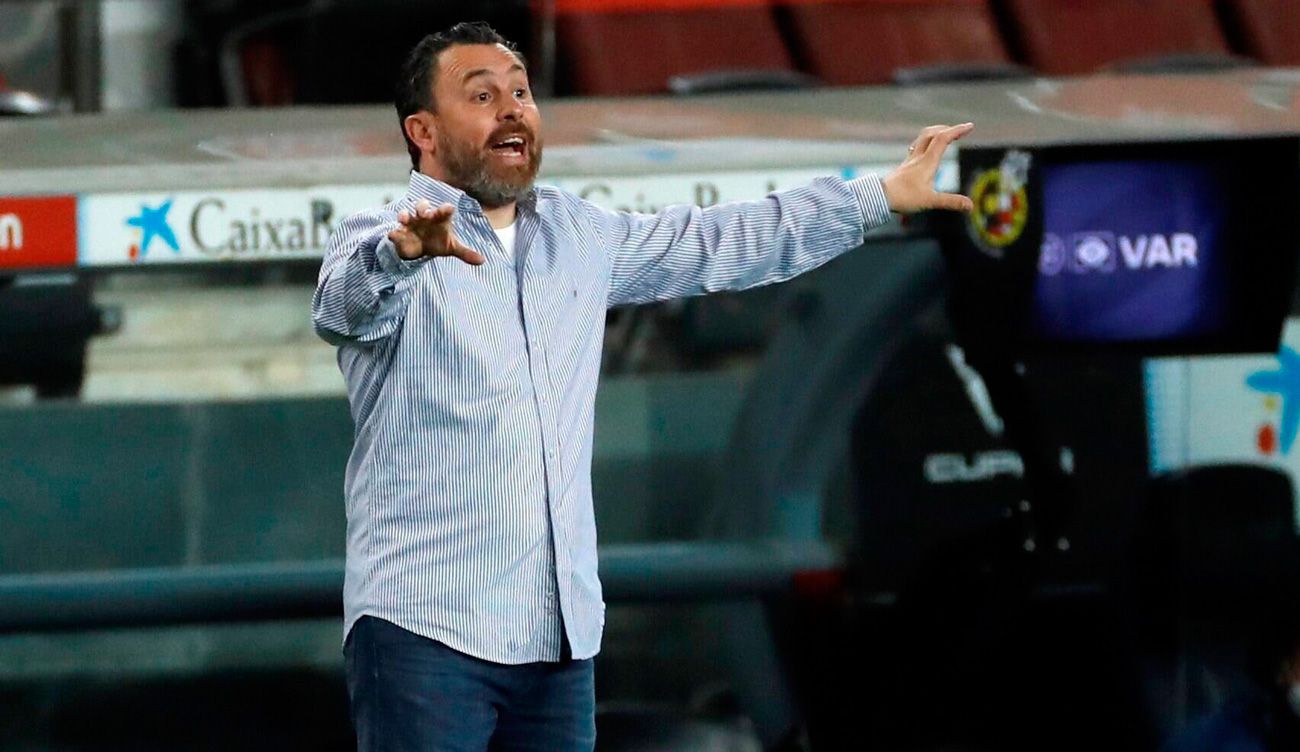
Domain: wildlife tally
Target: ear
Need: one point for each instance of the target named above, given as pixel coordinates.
(422, 128)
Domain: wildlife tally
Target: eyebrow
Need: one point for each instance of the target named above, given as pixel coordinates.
(488, 71)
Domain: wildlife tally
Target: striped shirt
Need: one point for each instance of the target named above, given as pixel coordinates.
(472, 389)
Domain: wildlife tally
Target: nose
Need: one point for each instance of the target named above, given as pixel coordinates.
(512, 109)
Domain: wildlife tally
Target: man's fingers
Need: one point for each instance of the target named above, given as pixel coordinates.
(922, 141)
(420, 210)
(938, 134)
(424, 214)
(426, 231)
(955, 132)
(407, 244)
(926, 134)
(412, 246)
(434, 214)
(939, 143)
(431, 215)
(465, 253)
(953, 202)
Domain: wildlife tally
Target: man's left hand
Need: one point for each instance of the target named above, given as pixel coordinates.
(910, 187)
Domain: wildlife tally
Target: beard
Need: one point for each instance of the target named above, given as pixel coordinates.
(474, 170)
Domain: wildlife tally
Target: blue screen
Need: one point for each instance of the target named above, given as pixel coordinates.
(1131, 252)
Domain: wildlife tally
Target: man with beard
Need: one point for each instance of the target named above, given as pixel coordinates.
(472, 605)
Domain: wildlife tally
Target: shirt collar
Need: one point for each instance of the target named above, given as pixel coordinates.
(436, 192)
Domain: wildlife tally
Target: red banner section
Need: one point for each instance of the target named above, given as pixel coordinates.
(38, 232)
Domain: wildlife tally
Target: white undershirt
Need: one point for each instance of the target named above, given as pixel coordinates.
(507, 237)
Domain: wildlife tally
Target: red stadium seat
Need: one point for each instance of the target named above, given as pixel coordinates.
(857, 42)
(1268, 30)
(617, 47)
(1062, 37)
(267, 78)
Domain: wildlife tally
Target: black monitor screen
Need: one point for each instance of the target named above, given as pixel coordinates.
(1154, 248)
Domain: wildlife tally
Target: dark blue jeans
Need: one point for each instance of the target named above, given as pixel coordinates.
(411, 693)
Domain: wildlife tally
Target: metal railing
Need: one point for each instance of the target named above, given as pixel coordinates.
(651, 572)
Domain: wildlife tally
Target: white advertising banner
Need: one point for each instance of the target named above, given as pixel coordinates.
(122, 229)
(1218, 409)
(650, 193)
(217, 226)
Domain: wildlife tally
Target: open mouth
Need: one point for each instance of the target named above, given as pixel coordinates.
(512, 146)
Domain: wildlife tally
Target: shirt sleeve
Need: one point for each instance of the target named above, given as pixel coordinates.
(687, 250)
(364, 285)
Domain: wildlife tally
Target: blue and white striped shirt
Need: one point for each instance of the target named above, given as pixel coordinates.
(472, 389)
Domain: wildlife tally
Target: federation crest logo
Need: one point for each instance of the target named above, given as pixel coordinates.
(1001, 203)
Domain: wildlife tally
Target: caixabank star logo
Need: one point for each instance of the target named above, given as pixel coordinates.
(152, 223)
(1281, 389)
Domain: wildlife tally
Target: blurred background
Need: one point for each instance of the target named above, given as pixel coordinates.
(816, 532)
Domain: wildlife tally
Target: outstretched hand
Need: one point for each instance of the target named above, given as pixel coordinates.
(910, 187)
(426, 231)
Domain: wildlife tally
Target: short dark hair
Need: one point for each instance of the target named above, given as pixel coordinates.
(415, 82)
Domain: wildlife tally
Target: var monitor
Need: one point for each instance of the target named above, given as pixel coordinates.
(1182, 247)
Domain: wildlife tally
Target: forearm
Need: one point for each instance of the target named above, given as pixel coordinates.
(689, 251)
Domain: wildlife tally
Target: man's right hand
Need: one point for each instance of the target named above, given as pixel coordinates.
(426, 231)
